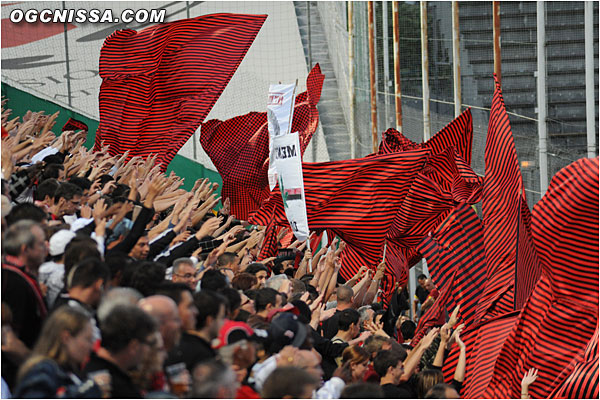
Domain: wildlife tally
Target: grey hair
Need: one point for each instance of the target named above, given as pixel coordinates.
(212, 376)
(117, 296)
(179, 261)
(17, 235)
(276, 281)
(364, 315)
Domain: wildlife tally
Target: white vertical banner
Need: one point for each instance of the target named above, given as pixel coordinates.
(287, 160)
(280, 111)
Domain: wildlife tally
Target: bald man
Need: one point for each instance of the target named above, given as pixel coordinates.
(164, 310)
(345, 300)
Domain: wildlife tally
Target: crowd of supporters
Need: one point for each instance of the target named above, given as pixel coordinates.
(118, 283)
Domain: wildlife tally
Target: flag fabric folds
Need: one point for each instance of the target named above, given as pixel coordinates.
(160, 83)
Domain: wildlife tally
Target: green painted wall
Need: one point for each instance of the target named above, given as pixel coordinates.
(20, 102)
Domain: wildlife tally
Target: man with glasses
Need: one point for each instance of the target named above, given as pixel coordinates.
(185, 272)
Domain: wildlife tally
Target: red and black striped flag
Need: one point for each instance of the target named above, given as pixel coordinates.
(160, 83)
(74, 125)
(239, 147)
(354, 199)
(509, 252)
(561, 315)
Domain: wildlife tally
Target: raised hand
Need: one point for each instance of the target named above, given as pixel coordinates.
(529, 377)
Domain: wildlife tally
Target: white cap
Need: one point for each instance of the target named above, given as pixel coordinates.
(59, 241)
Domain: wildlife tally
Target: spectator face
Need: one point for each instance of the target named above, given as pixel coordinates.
(141, 249)
(36, 254)
(397, 372)
(422, 283)
(171, 329)
(73, 205)
(187, 311)
(147, 347)
(217, 324)
(358, 370)
(429, 285)
(79, 346)
(262, 277)
(247, 304)
(311, 362)
(186, 273)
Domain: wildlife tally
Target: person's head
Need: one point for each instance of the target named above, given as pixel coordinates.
(182, 295)
(345, 296)
(246, 303)
(147, 277)
(68, 198)
(234, 301)
(213, 380)
(228, 260)
(265, 300)
(310, 361)
(426, 380)
(59, 241)
(83, 183)
(421, 279)
(287, 329)
(408, 329)
(281, 283)
(213, 280)
(88, 279)
(442, 391)
(366, 314)
(348, 322)
(289, 383)
(358, 359)
(66, 337)
(141, 249)
(429, 285)
(211, 312)
(26, 240)
(184, 271)
(165, 312)
(129, 333)
(298, 287)
(375, 343)
(362, 390)
(389, 366)
(260, 271)
(116, 296)
(26, 211)
(45, 191)
(244, 281)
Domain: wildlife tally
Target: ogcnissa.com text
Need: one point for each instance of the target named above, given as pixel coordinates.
(81, 16)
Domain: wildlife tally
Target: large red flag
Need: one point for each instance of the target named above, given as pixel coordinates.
(561, 315)
(508, 247)
(239, 147)
(160, 83)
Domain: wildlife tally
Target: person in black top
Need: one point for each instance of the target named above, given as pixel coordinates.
(421, 294)
(389, 366)
(128, 334)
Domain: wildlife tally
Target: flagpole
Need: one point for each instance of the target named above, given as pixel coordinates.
(372, 77)
(496, 31)
(397, 89)
(456, 59)
(425, 72)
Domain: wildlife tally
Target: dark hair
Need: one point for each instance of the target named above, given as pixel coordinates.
(120, 190)
(243, 281)
(421, 276)
(26, 211)
(225, 259)
(117, 262)
(287, 381)
(79, 249)
(384, 360)
(408, 329)
(147, 277)
(427, 379)
(52, 171)
(87, 272)
(362, 390)
(208, 304)
(346, 318)
(174, 290)
(255, 267)
(210, 377)
(123, 324)
(104, 179)
(263, 297)
(67, 191)
(234, 300)
(438, 391)
(83, 183)
(213, 280)
(344, 294)
(46, 188)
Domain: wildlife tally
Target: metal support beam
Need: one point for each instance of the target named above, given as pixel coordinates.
(386, 60)
(456, 59)
(351, 78)
(497, 54)
(397, 89)
(542, 100)
(68, 62)
(372, 77)
(590, 109)
(425, 72)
